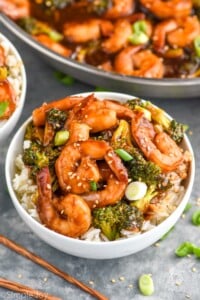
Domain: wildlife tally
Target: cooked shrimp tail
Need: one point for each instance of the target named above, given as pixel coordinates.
(68, 215)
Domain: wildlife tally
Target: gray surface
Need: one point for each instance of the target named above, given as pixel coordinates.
(167, 270)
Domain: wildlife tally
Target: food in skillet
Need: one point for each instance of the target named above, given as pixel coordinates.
(100, 169)
(146, 38)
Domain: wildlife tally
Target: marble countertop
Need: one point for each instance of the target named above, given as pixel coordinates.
(174, 278)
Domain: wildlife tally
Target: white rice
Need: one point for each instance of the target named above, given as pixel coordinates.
(13, 64)
(26, 192)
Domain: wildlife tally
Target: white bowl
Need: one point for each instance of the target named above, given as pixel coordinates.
(86, 249)
(19, 78)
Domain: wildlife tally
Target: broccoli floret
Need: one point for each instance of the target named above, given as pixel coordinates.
(34, 133)
(99, 6)
(143, 203)
(56, 118)
(35, 27)
(175, 129)
(133, 103)
(141, 170)
(113, 218)
(37, 157)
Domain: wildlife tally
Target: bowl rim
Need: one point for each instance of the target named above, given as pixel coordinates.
(22, 96)
(92, 244)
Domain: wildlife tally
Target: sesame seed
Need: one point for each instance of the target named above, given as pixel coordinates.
(19, 275)
(48, 186)
(45, 279)
(121, 278)
(194, 269)
(157, 245)
(91, 282)
(113, 280)
(178, 283)
(130, 286)
(79, 184)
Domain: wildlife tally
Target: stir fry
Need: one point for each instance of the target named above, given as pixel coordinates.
(101, 164)
(142, 38)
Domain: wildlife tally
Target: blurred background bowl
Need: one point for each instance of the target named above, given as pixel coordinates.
(18, 82)
(142, 87)
(88, 249)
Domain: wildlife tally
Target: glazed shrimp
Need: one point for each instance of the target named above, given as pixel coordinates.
(15, 9)
(187, 30)
(177, 32)
(93, 113)
(119, 37)
(168, 9)
(99, 115)
(39, 114)
(86, 31)
(7, 94)
(160, 32)
(157, 147)
(54, 46)
(68, 215)
(119, 9)
(143, 63)
(76, 166)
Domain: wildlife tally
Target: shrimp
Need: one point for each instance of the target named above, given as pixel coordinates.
(99, 115)
(93, 113)
(113, 193)
(119, 38)
(86, 31)
(177, 32)
(54, 46)
(68, 215)
(157, 147)
(39, 114)
(168, 9)
(160, 32)
(76, 166)
(7, 94)
(15, 9)
(119, 9)
(130, 61)
(187, 30)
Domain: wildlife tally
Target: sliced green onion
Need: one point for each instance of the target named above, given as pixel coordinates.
(146, 285)
(63, 78)
(61, 137)
(196, 251)
(187, 207)
(196, 218)
(55, 36)
(3, 107)
(184, 249)
(123, 154)
(93, 185)
(138, 38)
(197, 45)
(136, 190)
(140, 26)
